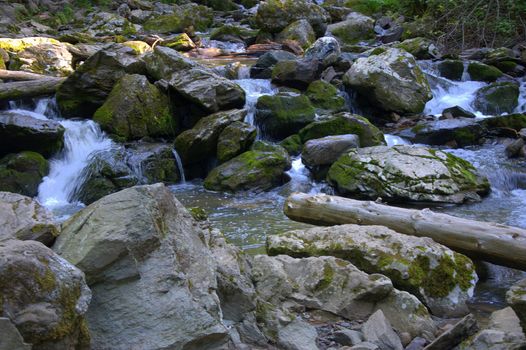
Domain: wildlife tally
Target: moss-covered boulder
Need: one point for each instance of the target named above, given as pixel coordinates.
(292, 144)
(391, 81)
(179, 42)
(282, 115)
(260, 169)
(296, 73)
(266, 62)
(442, 279)
(497, 98)
(420, 48)
(189, 15)
(22, 172)
(200, 143)
(135, 109)
(21, 132)
(341, 124)
(354, 29)
(234, 140)
(516, 298)
(49, 59)
(300, 32)
(453, 132)
(483, 72)
(86, 90)
(325, 97)
(44, 296)
(234, 33)
(138, 46)
(407, 173)
(451, 69)
(17, 45)
(511, 121)
(274, 15)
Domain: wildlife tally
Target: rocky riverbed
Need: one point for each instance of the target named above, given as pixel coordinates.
(147, 149)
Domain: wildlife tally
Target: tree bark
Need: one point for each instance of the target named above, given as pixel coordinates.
(499, 244)
(20, 75)
(30, 88)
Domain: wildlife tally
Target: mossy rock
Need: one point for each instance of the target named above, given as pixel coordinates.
(235, 139)
(181, 42)
(219, 5)
(190, 15)
(22, 173)
(300, 31)
(17, 45)
(236, 33)
(354, 29)
(451, 69)
(325, 97)
(512, 121)
(136, 108)
(292, 144)
(138, 46)
(483, 72)
(2, 63)
(341, 124)
(421, 48)
(497, 98)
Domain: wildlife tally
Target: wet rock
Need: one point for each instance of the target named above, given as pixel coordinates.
(325, 50)
(164, 61)
(388, 30)
(43, 295)
(420, 48)
(457, 112)
(325, 97)
(189, 15)
(86, 90)
(298, 335)
(319, 154)
(390, 81)
(417, 344)
(11, 338)
(282, 115)
(378, 330)
(407, 173)
(153, 162)
(451, 69)
(265, 63)
(365, 346)
(22, 172)
(24, 218)
(234, 140)
(20, 132)
(455, 335)
(180, 42)
(511, 121)
(49, 59)
(442, 279)
(296, 73)
(200, 143)
(483, 72)
(137, 243)
(497, 98)
(292, 144)
(234, 33)
(516, 298)
(348, 337)
(514, 149)
(260, 169)
(354, 29)
(461, 132)
(300, 32)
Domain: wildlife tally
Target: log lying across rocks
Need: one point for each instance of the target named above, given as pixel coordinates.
(30, 88)
(495, 243)
(20, 75)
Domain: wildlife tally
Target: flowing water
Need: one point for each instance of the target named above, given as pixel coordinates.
(254, 89)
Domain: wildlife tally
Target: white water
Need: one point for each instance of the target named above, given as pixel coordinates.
(179, 165)
(393, 140)
(254, 89)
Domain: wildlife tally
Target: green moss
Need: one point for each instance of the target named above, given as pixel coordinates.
(465, 136)
(199, 214)
(292, 144)
(513, 121)
(482, 72)
(326, 280)
(325, 96)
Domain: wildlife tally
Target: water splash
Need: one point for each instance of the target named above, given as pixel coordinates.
(254, 89)
(393, 140)
(180, 167)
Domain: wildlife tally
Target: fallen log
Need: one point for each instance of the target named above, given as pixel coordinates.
(30, 88)
(20, 75)
(495, 243)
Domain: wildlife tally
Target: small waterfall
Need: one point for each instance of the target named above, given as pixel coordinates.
(521, 108)
(254, 89)
(393, 140)
(179, 165)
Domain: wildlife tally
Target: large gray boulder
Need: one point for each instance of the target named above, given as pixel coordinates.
(266, 62)
(460, 132)
(153, 279)
(407, 173)
(44, 296)
(391, 81)
(516, 298)
(442, 279)
(50, 59)
(327, 150)
(24, 218)
(354, 29)
(326, 50)
(163, 62)
(300, 32)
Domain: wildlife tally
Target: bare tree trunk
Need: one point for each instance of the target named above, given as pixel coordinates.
(30, 88)
(499, 244)
(20, 75)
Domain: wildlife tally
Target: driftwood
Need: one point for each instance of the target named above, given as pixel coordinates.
(20, 75)
(499, 244)
(463, 329)
(30, 88)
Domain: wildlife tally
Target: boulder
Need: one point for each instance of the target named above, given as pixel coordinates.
(135, 244)
(457, 112)
(260, 169)
(325, 50)
(391, 81)
(138, 46)
(180, 42)
(388, 30)
(200, 143)
(11, 338)
(300, 32)
(234, 33)
(24, 218)
(325, 151)
(154, 162)
(342, 124)
(298, 335)
(483, 72)
(274, 15)
(516, 298)
(497, 98)
(453, 132)
(164, 61)
(451, 69)
(49, 59)
(442, 279)
(354, 29)
(102, 23)
(292, 144)
(282, 115)
(515, 148)
(512, 121)
(234, 140)
(296, 73)
(86, 90)
(22, 172)
(266, 62)
(135, 109)
(17, 45)
(22, 132)
(420, 48)
(183, 17)
(44, 296)
(325, 97)
(378, 330)
(407, 173)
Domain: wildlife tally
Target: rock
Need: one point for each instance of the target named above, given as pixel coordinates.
(20, 132)
(392, 81)
(482, 72)
(156, 162)
(451, 69)
(24, 218)
(292, 144)
(417, 344)
(325, 97)
(512, 121)
(440, 278)
(354, 29)
(103, 23)
(11, 338)
(136, 109)
(348, 337)
(86, 90)
(180, 42)
(327, 150)
(388, 30)
(189, 15)
(455, 335)
(140, 47)
(234, 33)
(266, 62)
(497, 98)
(139, 243)
(164, 61)
(457, 112)
(522, 133)
(407, 173)
(296, 73)
(234, 140)
(200, 143)
(17, 45)
(365, 346)
(49, 59)
(516, 298)
(298, 335)
(282, 115)
(260, 169)
(325, 50)
(461, 132)
(22, 172)
(43, 295)
(420, 48)
(503, 331)
(378, 330)
(274, 15)
(342, 124)
(300, 32)
(514, 149)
